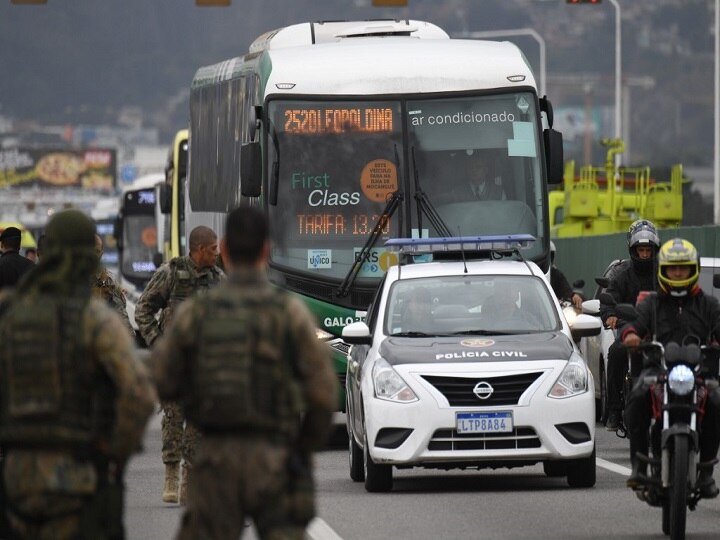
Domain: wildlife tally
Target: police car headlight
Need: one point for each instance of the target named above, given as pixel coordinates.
(389, 385)
(322, 335)
(681, 380)
(572, 381)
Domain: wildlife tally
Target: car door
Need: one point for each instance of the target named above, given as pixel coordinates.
(356, 359)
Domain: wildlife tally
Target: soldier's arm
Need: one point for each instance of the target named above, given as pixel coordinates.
(320, 384)
(135, 395)
(169, 355)
(154, 298)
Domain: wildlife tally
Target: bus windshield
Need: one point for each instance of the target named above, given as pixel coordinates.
(139, 236)
(333, 165)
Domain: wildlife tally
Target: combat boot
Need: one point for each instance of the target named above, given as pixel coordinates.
(170, 491)
(184, 482)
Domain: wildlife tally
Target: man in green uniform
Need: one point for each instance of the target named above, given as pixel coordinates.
(104, 286)
(173, 283)
(252, 376)
(74, 397)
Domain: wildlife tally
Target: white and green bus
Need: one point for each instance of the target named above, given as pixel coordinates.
(350, 133)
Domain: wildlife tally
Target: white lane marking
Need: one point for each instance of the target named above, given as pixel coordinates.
(610, 466)
(318, 529)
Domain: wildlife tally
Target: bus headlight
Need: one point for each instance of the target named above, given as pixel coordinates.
(389, 385)
(681, 380)
(322, 335)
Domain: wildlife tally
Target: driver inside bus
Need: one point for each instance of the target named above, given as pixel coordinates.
(484, 184)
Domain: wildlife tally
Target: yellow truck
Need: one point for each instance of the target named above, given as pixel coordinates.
(604, 200)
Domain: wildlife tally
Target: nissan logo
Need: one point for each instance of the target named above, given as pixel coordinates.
(483, 390)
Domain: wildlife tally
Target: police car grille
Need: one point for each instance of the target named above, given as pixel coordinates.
(506, 390)
(450, 439)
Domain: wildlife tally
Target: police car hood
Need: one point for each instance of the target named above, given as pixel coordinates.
(427, 350)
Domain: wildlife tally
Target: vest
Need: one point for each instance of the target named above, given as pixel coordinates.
(186, 282)
(49, 395)
(244, 377)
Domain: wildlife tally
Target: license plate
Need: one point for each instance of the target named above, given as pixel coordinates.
(484, 422)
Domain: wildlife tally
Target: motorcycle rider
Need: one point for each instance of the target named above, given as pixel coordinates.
(680, 309)
(559, 283)
(630, 278)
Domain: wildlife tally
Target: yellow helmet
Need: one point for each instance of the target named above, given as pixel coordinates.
(678, 252)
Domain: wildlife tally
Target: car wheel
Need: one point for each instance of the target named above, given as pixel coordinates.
(378, 477)
(555, 469)
(581, 473)
(355, 456)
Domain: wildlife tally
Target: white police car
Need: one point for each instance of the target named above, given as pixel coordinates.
(468, 364)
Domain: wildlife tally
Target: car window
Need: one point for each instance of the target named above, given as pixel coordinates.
(372, 312)
(470, 304)
(706, 280)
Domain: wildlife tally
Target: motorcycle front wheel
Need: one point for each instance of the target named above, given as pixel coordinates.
(677, 492)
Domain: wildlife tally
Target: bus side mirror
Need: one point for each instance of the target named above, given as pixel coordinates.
(165, 198)
(250, 169)
(553, 155)
(118, 232)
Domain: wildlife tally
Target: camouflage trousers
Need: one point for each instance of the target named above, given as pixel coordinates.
(54, 496)
(179, 439)
(234, 478)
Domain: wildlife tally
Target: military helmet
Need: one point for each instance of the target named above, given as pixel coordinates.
(678, 252)
(642, 232)
(69, 230)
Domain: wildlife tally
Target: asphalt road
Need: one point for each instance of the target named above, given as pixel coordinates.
(427, 504)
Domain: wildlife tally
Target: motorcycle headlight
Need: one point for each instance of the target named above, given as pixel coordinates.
(389, 385)
(681, 380)
(572, 381)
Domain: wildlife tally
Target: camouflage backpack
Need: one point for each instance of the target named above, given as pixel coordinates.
(47, 374)
(244, 378)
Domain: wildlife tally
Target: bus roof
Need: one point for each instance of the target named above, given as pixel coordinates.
(369, 65)
(144, 182)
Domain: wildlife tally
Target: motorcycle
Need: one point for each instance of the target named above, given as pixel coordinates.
(680, 386)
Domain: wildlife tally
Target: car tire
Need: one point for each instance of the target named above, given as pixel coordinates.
(355, 456)
(378, 477)
(582, 473)
(555, 469)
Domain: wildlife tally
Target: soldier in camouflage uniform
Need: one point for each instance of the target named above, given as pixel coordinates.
(74, 398)
(246, 363)
(104, 286)
(171, 284)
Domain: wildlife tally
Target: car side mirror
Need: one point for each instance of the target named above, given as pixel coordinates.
(591, 307)
(357, 333)
(585, 326)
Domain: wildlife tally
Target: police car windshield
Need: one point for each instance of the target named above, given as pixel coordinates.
(470, 305)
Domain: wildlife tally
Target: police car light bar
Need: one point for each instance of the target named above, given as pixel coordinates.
(502, 242)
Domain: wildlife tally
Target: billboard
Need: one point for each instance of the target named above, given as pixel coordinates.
(91, 168)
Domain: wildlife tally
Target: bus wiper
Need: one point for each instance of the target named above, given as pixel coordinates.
(424, 206)
(392, 204)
